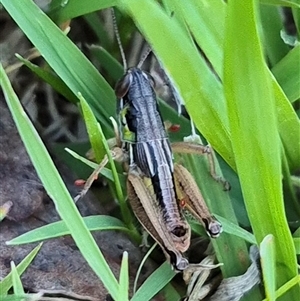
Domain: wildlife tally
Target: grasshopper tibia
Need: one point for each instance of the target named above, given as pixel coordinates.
(194, 201)
(199, 149)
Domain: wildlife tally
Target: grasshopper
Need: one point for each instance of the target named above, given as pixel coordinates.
(157, 188)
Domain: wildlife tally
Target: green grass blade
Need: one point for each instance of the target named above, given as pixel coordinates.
(16, 281)
(254, 135)
(271, 25)
(52, 79)
(210, 19)
(287, 3)
(286, 73)
(268, 259)
(233, 229)
(95, 138)
(69, 9)
(57, 190)
(57, 229)
(105, 172)
(64, 58)
(6, 283)
(288, 126)
(287, 286)
(297, 245)
(124, 279)
(154, 283)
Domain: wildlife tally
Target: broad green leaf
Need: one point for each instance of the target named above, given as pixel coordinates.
(255, 135)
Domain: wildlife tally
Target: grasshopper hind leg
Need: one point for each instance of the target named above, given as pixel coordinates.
(200, 149)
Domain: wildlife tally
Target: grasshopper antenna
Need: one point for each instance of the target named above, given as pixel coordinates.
(145, 55)
(118, 38)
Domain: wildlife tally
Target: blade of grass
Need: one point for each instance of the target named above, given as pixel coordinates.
(95, 139)
(254, 135)
(57, 229)
(286, 287)
(6, 283)
(271, 25)
(57, 190)
(124, 279)
(62, 11)
(268, 264)
(64, 58)
(286, 73)
(52, 79)
(16, 281)
(154, 283)
(105, 172)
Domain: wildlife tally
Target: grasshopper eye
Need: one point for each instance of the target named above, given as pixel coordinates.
(123, 84)
(150, 78)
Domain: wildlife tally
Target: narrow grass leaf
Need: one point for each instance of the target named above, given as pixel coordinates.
(105, 172)
(287, 3)
(57, 190)
(296, 16)
(297, 244)
(206, 23)
(286, 287)
(52, 79)
(16, 281)
(254, 134)
(234, 229)
(268, 264)
(286, 73)
(124, 279)
(64, 58)
(108, 62)
(92, 129)
(96, 24)
(58, 229)
(6, 282)
(154, 283)
(271, 24)
(68, 9)
(288, 126)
